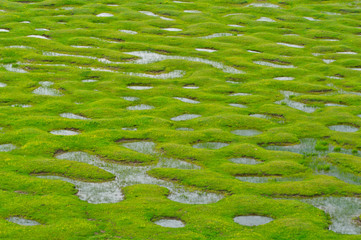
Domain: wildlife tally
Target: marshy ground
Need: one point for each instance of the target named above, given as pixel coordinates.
(202, 119)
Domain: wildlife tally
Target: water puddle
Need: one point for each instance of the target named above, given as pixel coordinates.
(284, 78)
(73, 116)
(131, 99)
(77, 46)
(128, 31)
(268, 64)
(252, 220)
(185, 117)
(186, 100)
(22, 105)
(205, 50)
(170, 223)
(245, 160)
(237, 105)
(129, 129)
(11, 68)
(42, 29)
(38, 36)
(266, 5)
(110, 192)
(252, 179)
(246, 132)
(210, 145)
(253, 51)
(155, 15)
(140, 107)
(296, 105)
(139, 87)
(342, 210)
(46, 90)
(347, 53)
(184, 129)
(105, 15)
(20, 47)
(290, 45)
(311, 19)
(334, 105)
(328, 61)
(149, 57)
(89, 80)
(4, 30)
(64, 132)
(175, 163)
(141, 147)
(7, 147)
(2, 85)
(172, 29)
(22, 221)
(216, 35)
(235, 25)
(265, 19)
(308, 146)
(343, 128)
(239, 94)
(190, 87)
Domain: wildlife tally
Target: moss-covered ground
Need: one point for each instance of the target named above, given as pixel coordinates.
(289, 69)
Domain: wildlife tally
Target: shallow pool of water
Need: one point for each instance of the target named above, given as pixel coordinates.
(73, 116)
(64, 132)
(343, 128)
(342, 210)
(7, 147)
(252, 220)
(170, 223)
(245, 160)
(246, 132)
(140, 107)
(210, 145)
(22, 221)
(185, 117)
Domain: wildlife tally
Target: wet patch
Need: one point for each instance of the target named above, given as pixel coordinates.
(64, 132)
(265, 19)
(343, 128)
(110, 192)
(237, 105)
(252, 220)
(139, 87)
(105, 15)
(73, 116)
(184, 129)
(141, 147)
(149, 57)
(342, 210)
(186, 100)
(155, 15)
(268, 64)
(170, 223)
(216, 35)
(246, 132)
(22, 221)
(172, 29)
(185, 117)
(140, 107)
(38, 36)
(7, 147)
(46, 90)
(245, 160)
(296, 105)
(210, 145)
(205, 50)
